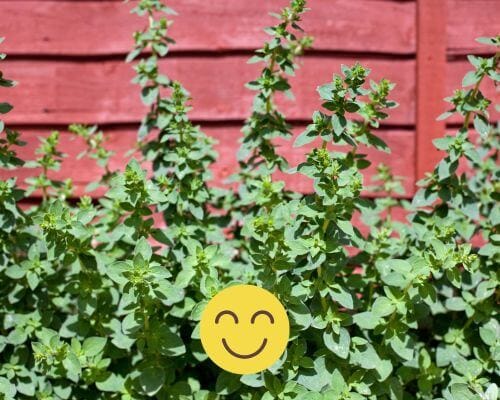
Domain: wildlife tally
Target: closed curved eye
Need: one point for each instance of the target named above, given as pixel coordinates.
(224, 312)
(262, 312)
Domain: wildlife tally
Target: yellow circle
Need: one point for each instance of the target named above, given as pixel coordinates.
(244, 329)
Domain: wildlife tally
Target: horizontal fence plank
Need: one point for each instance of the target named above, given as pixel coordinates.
(431, 82)
(62, 92)
(105, 27)
(468, 20)
(120, 140)
(59, 92)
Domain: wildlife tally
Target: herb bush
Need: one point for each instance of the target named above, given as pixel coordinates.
(101, 302)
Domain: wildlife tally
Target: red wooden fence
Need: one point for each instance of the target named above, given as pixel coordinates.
(68, 59)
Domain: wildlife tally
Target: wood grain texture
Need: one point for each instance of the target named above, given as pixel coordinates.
(66, 57)
(60, 92)
(63, 92)
(468, 20)
(120, 140)
(431, 84)
(105, 27)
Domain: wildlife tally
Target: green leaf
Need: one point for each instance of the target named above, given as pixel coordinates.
(15, 272)
(7, 388)
(397, 265)
(443, 143)
(252, 380)
(338, 385)
(383, 307)
(33, 280)
(445, 115)
(366, 357)
(325, 91)
(366, 320)
(455, 304)
(460, 391)
(470, 78)
(402, 346)
(346, 227)
(481, 125)
(227, 383)
(93, 346)
(488, 41)
(115, 272)
(396, 279)
(305, 137)
(339, 123)
(490, 332)
(491, 393)
(468, 368)
(338, 343)
(342, 296)
(17, 336)
(112, 383)
(133, 54)
(149, 94)
(152, 379)
(184, 277)
(144, 249)
(169, 343)
(5, 108)
(315, 379)
(6, 82)
(73, 367)
(169, 294)
(300, 315)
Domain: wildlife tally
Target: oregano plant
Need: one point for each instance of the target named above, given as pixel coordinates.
(102, 297)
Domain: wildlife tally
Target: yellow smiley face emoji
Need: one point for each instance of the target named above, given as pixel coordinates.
(244, 329)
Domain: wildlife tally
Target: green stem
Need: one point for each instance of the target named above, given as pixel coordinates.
(370, 295)
(474, 93)
(468, 323)
(395, 312)
(269, 104)
(146, 321)
(44, 188)
(324, 228)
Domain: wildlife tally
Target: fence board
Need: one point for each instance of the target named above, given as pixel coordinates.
(52, 92)
(62, 92)
(468, 20)
(66, 58)
(121, 140)
(105, 27)
(431, 84)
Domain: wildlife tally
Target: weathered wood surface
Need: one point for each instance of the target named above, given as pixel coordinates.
(469, 19)
(51, 27)
(67, 56)
(431, 82)
(105, 27)
(61, 92)
(101, 91)
(121, 140)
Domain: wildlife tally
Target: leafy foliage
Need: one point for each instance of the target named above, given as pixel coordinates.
(103, 299)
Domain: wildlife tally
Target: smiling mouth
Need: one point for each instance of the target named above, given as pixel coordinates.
(244, 356)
